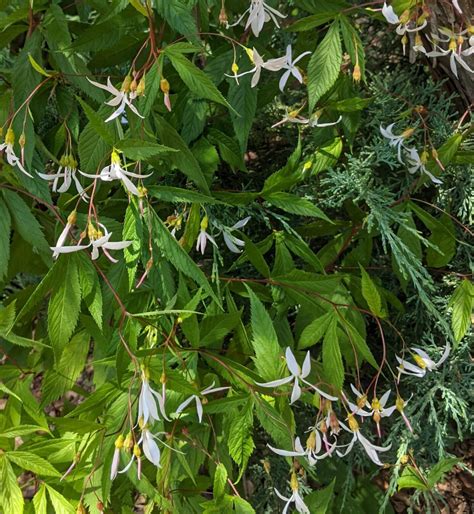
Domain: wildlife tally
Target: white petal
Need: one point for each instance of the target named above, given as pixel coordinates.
(276, 383)
(291, 362)
(296, 392)
(306, 369)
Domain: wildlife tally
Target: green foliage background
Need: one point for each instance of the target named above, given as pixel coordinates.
(346, 255)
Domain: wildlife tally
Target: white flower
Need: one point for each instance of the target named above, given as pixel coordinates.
(297, 374)
(455, 56)
(259, 13)
(147, 408)
(116, 458)
(12, 159)
(233, 243)
(404, 24)
(396, 140)
(416, 164)
(295, 497)
(291, 68)
(370, 449)
(208, 390)
(204, 237)
(121, 98)
(456, 6)
(114, 171)
(259, 64)
(292, 117)
(314, 121)
(376, 408)
(311, 452)
(424, 362)
(71, 220)
(98, 239)
(389, 14)
(400, 404)
(66, 171)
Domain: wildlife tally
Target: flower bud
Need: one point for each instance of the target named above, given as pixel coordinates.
(266, 466)
(141, 87)
(405, 16)
(128, 442)
(377, 417)
(424, 156)
(408, 133)
(115, 157)
(434, 153)
(22, 140)
(119, 442)
(361, 401)
(311, 441)
(404, 459)
(136, 451)
(163, 378)
(223, 20)
(235, 68)
(249, 53)
(164, 86)
(133, 85)
(204, 223)
(452, 45)
(10, 137)
(460, 40)
(72, 218)
(353, 425)
(127, 82)
(294, 482)
(100, 506)
(356, 74)
(81, 509)
(399, 403)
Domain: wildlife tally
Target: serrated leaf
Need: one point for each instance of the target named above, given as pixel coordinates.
(332, 358)
(371, 294)
(65, 304)
(139, 7)
(178, 257)
(5, 229)
(243, 99)
(195, 79)
(152, 78)
(264, 340)
(183, 159)
(60, 504)
(295, 205)
(138, 149)
(11, 498)
(91, 291)
(63, 376)
(410, 479)
(319, 501)
(240, 440)
(103, 129)
(93, 151)
(32, 462)
(325, 65)
(462, 303)
(179, 17)
(27, 225)
(315, 331)
(20, 430)
(40, 502)
(438, 471)
(220, 481)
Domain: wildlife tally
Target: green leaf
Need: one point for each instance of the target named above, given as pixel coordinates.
(183, 159)
(462, 303)
(332, 358)
(195, 79)
(229, 149)
(311, 22)
(139, 7)
(410, 479)
(295, 205)
(103, 129)
(242, 506)
(220, 481)
(326, 156)
(325, 65)
(152, 78)
(63, 376)
(264, 340)
(178, 16)
(178, 257)
(38, 67)
(438, 471)
(20, 430)
(60, 504)
(243, 99)
(32, 462)
(11, 498)
(27, 225)
(179, 195)
(93, 151)
(319, 501)
(40, 501)
(315, 331)
(138, 149)
(240, 440)
(65, 303)
(371, 294)
(90, 287)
